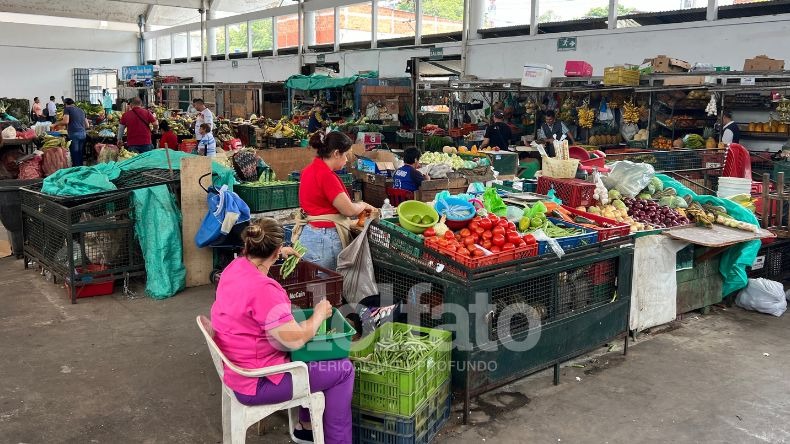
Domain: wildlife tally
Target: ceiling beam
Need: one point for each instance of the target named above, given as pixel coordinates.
(189, 4)
(76, 13)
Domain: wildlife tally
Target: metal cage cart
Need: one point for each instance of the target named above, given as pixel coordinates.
(88, 240)
(562, 308)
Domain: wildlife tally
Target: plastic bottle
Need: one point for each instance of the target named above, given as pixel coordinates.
(387, 210)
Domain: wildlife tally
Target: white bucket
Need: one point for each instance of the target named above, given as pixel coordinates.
(536, 75)
(730, 186)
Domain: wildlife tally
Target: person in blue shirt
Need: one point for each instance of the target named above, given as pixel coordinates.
(318, 119)
(407, 177)
(106, 101)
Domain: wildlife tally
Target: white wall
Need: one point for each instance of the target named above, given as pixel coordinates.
(724, 42)
(38, 60)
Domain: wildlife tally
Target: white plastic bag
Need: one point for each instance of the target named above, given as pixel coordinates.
(629, 178)
(763, 295)
(355, 264)
(9, 133)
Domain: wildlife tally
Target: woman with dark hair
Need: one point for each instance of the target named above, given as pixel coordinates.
(253, 326)
(323, 228)
(169, 138)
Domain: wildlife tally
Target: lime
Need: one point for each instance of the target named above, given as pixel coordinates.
(426, 220)
(416, 218)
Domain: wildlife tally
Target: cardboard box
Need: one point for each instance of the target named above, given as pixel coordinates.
(763, 63)
(664, 64)
(689, 80)
(374, 162)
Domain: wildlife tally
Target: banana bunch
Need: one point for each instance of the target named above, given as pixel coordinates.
(698, 213)
(586, 115)
(630, 112)
(53, 142)
(566, 110)
(278, 128)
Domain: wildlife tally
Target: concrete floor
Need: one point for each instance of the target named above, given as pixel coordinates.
(115, 370)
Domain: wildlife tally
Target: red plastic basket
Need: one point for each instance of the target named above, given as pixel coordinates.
(97, 289)
(573, 192)
(618, 229)
(309, 283)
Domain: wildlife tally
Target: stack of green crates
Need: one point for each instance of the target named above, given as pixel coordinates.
(269, 197)
(397, 403)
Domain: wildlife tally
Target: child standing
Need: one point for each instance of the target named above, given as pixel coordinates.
(207, 146)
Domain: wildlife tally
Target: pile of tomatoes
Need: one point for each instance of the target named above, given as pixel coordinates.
(493, 233)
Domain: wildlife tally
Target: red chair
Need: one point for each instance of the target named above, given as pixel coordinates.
(738, 162)
(398, 196)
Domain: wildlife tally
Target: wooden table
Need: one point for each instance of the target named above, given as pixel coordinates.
(26, 145)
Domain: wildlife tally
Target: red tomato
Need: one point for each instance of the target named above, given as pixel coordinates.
(521, 244)
(430, 232)
(472, 248)
(458, 237)
(474, 225)
(431, 240)
(511, 226)
(498, 230)
(486, 224)
(487, 245)
(508, 246)
(463, 252)
(513, 237)
(478, 253)
(529, 239)
(498, 240)
(493, 217)
(476, 237)
(442, 242)
(502, 223)
(487, 235)
(469, 240)
(449, 235)
(465, 232)
(495, 249)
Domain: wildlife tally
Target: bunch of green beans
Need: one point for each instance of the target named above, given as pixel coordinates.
(290, 263)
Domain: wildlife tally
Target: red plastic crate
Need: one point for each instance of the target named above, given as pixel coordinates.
(455, 133)
(619, 228)
(602, 272)
(97, 289)
(310, 283)
(573, 192)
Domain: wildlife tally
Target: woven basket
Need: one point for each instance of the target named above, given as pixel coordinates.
(560, 169)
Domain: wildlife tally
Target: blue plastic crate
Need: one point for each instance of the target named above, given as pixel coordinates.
(421, 428)
(589, 236)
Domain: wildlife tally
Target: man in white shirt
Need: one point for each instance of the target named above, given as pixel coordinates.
(52, 109)
(204, 116)
(730, 133)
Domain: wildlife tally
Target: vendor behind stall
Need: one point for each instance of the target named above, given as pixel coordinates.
(497, 134)
(407, 177)
(319, 119)
(324, 227)
(553, 129)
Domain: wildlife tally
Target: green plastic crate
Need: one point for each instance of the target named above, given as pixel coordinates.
(325, 347)
(431, 411)
(380, 235)
(399, 390)
(268, 198)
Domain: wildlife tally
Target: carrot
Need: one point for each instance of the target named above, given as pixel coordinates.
(550, 206)
(562, 213)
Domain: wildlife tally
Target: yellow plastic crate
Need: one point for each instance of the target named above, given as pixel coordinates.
(620, 76)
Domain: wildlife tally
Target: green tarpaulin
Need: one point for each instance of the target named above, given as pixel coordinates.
(157, 216)
(736, 258)
(319, 81)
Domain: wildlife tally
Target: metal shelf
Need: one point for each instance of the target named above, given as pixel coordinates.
(765, 136)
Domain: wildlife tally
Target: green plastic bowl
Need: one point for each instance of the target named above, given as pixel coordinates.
(409, 209)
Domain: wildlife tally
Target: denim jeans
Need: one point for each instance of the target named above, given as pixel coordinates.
(77, 148)
(323, 246)
(141, 148)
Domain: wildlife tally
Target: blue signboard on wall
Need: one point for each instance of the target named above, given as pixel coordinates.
(139, 72)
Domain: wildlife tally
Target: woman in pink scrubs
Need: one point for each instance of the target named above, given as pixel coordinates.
(252, 319)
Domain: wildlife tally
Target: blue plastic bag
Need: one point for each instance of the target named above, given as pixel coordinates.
(225, 209)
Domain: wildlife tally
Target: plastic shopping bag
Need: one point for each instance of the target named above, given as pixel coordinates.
(629, 178)
(763, 295)
(355, 264)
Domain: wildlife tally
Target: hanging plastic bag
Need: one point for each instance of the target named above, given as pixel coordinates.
(763, 295)
(354, 264)
(629, 178)
(605, 114)
(493, 203)
(9, 133)
(514, 214)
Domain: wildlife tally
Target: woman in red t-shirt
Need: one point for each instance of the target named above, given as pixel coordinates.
(322, 193)
(169, 138)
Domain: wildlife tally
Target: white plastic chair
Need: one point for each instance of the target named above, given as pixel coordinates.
(237, 417)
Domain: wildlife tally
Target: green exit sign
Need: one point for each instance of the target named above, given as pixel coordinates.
(566, 44)
(437, 53)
